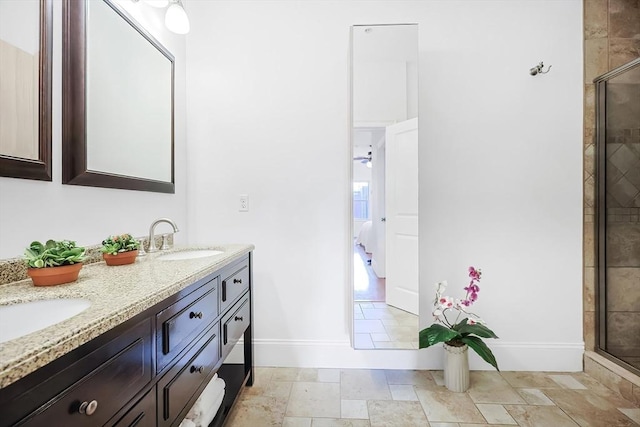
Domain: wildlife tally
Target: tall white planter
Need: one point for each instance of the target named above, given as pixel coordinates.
(456, 368)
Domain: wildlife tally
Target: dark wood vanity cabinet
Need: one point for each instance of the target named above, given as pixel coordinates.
(111, 374)
(235, 282)
(150, 370)
(187, 375)
(143, 413)
(234, 323)
(179, 323)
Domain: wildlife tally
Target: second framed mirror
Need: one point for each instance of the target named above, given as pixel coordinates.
(384, 135)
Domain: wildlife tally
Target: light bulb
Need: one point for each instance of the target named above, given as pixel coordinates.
(176, 19)
(369, 164)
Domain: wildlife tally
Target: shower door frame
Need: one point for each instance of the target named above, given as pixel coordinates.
(601, 214)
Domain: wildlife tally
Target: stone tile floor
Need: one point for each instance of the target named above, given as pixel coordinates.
(378, 325)
(293, 397)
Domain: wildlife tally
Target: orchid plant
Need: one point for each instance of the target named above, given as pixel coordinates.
(455, 331)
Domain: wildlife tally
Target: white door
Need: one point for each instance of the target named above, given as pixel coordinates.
(401, 184)
(378, 232)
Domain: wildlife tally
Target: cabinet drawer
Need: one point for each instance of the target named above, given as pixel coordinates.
(100, 395)
(235, 281)
(143, 414)
(181, 322)
(235, 323)
(180, 383)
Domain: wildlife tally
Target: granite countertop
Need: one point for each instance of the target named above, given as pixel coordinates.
(116, 293)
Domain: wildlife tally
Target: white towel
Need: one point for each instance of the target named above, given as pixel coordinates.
(209, 412)
(208, 403)
(187, 423)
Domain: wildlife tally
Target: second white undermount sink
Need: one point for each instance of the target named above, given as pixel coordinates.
(24, 318)
(193, 254)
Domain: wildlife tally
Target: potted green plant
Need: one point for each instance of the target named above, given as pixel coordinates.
(459, 334)
(120, 250)
(54, 263)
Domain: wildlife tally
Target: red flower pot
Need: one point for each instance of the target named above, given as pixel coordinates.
(49, 276)
(121, 258)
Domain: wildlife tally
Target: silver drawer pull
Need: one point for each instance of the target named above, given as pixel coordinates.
(198, 369)
(88, 408)
(237, 280)
(193, 315)
(240, 318)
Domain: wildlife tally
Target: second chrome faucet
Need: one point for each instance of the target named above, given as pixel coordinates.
(152, 241)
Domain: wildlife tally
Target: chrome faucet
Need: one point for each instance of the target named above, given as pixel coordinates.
(152, 241)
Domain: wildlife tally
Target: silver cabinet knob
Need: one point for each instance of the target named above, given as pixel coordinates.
(88, 408)
(197, 369)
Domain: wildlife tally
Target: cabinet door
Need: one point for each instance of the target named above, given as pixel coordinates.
(103, 392)
(235, 281)
(234, 323)
(180, 323)
(141, 415)
(178, 386)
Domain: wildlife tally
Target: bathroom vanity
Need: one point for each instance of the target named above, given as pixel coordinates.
(161, 346)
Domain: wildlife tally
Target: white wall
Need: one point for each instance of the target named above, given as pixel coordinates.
(38, 210)
(500, 167)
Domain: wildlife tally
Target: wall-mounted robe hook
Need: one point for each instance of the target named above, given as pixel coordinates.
(538, 69)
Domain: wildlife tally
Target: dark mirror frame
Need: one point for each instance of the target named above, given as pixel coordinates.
(74, 137)
(17, 167)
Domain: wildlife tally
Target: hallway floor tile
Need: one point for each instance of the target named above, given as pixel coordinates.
(295, 397)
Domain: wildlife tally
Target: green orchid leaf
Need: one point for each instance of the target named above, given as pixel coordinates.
(481, 348)
(435, 334)
(462, 323)
(477, 329)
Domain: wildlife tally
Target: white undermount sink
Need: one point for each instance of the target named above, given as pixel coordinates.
(193, 254)
(21, 319)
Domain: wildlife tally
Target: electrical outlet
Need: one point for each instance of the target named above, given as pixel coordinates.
(244, 203)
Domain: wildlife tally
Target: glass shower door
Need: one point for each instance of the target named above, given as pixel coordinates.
(618, 145)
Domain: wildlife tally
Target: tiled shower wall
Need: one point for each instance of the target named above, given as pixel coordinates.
(611, 39)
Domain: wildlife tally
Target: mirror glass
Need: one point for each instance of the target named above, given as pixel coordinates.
(118, 118)
(384, 81)
(25, 89)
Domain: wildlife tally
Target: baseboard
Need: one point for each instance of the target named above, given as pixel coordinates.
(554, 357)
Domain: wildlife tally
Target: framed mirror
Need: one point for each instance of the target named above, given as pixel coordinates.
(118, 90)
(384, 135)
(26, 29)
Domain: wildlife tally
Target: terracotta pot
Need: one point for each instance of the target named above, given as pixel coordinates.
(49, 276)
(456, 368)
(121, 258)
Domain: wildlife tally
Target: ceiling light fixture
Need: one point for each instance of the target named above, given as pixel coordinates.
(176, 19)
